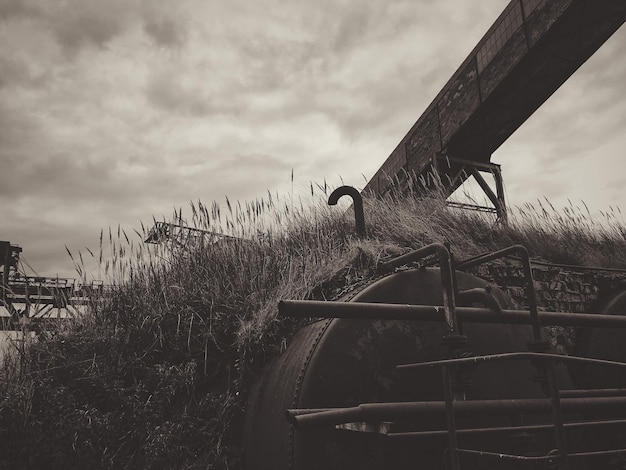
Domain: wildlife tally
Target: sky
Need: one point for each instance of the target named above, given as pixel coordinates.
(112, 113)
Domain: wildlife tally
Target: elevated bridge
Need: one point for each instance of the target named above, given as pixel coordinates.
(532, 48)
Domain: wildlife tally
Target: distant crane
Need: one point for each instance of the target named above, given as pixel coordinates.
(181, 235)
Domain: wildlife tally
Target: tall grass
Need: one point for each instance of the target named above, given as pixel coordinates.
(157, 374)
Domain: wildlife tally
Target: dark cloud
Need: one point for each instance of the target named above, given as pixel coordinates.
(168, 92)
(16, 129)
(15, 71)
(18, 9)
(56, 178)
(352, 26)
(271, 63)
(75, 30)
(165, 32)
(74, 24)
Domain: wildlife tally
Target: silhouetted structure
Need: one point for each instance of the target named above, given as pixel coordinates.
(181, 235)
(528, 53)
(34, 298)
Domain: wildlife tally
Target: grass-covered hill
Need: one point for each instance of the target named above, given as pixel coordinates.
(156, 375)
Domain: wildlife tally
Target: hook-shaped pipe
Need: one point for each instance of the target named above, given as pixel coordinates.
(357, 200)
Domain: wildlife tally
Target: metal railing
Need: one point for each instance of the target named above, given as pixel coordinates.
(454, 402)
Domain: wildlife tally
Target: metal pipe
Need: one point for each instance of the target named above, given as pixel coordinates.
(382, 311)
(443, 255)
(557, 415)
(504, 429)
(454, 340)
(599, 392)
(411, 410)
(528, 274)
(357, 203)
(415, 255)
(450, 419)
(501, 456)
(597, 453)
(512, 356)
(539, 458)
(485, 257)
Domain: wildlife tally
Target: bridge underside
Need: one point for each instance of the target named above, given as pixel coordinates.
(526, 55)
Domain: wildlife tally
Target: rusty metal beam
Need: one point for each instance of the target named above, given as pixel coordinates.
(402, 411)
(382, 311)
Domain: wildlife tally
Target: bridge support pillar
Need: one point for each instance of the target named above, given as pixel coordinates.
(452, 173)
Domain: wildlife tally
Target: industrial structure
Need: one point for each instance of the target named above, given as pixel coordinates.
(430, 365)
(30, 300)
(181, 235)
(427, 364)
(526, 55)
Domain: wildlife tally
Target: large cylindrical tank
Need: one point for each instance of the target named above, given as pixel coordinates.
(341, 362)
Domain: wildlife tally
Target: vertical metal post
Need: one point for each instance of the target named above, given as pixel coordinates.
(453, 340)
(450, 421)
(530, 292)
(538, 345)
(502, 214)
(557, 416)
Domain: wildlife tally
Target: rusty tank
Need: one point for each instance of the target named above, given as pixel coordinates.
(430, 367)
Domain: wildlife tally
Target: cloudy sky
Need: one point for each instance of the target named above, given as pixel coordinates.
(114, 112)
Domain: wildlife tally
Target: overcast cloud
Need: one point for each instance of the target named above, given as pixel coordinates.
(115, 112)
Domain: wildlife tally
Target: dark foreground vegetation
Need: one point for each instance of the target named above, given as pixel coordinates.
(156, 375)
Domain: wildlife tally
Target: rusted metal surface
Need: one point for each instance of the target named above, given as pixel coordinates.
(267, 438)
(442, 255)
(354, 362)
(400, 361)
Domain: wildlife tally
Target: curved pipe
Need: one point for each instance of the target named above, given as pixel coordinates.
(445, 264)
(522, 252)
(357, 200)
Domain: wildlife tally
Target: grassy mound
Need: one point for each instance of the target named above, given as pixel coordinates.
(156, 375)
